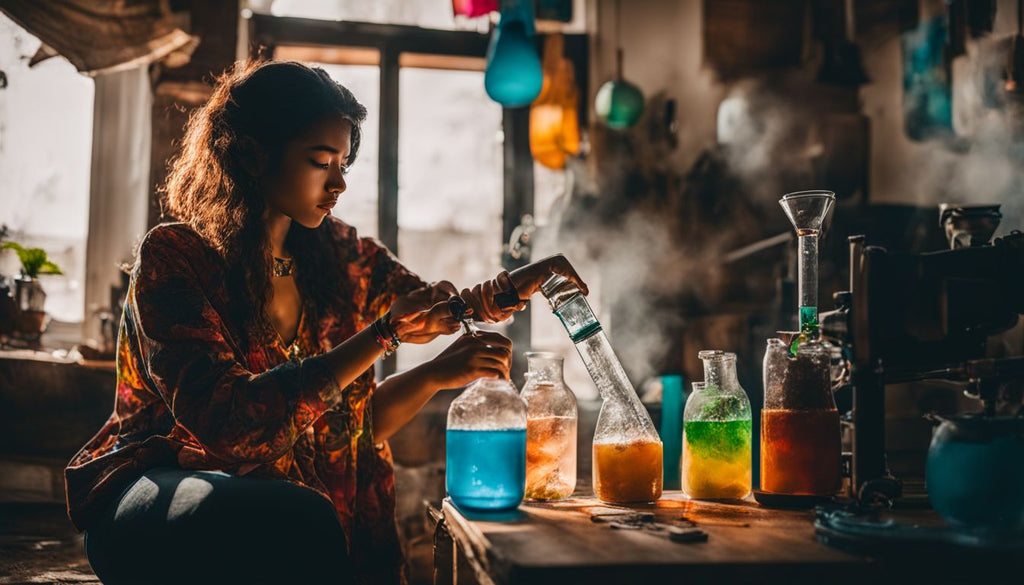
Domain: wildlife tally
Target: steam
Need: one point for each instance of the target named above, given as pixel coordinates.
(981, 162)
(657, 237)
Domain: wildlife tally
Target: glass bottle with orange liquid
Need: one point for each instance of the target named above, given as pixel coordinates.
(801, 452)
(716, 433)
(550, 429)
(627, 456)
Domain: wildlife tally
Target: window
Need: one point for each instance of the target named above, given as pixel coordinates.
(358, 205)
(449, 183)
(46, 115)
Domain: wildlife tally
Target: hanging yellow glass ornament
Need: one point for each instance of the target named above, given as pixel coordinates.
(554, 119)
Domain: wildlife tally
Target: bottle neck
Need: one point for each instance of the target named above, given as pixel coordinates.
(720, 375)
(545, 369)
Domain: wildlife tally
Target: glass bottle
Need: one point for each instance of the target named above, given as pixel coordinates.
(486, 447)
(717, 433)
(550, 429)
(627, 455)
(801, 451)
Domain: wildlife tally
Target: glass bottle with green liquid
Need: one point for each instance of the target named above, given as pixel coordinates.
(717, 433)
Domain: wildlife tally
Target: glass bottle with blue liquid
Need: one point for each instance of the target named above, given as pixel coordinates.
(486, 447)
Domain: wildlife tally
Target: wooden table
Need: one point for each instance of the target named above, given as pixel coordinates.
(558, 543)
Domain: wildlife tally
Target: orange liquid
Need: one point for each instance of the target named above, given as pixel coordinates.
(550, 457)
(800, 452)
(627, 472)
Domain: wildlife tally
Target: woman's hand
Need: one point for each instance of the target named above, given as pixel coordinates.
(422, 315)
(524, 281)
(528, 279)
(484, 355)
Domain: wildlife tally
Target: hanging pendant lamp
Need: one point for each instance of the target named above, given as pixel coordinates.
(619, 103)
(513, 77)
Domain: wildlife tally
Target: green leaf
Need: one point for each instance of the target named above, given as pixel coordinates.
(49, 268)
(33, 260)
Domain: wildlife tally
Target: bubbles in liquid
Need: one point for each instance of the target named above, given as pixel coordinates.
(550, 457)
(628, 472)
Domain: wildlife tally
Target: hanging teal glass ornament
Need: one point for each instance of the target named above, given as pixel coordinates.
(619, 103)
(513, 77)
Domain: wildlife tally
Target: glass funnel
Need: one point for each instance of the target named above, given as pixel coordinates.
(627, 449)
(807, 211)
(550, 429)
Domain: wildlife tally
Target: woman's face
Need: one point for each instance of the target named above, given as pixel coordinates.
(311, 174)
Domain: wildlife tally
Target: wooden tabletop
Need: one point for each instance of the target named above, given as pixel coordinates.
(559, 543)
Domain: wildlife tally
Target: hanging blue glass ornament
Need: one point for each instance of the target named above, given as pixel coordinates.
(513, 77)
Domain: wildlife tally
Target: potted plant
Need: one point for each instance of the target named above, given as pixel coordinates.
(29, 295)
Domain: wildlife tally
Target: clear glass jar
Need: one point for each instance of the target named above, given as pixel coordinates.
(551, 421)
(627, 456)
(717, 433)
(801, 449)
(485, 454)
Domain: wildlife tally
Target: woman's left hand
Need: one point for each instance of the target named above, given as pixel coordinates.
(422, 315)
(524, 281)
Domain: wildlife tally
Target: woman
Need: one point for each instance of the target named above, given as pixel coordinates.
(248, 439)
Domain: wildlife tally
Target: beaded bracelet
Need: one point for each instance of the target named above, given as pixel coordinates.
(385, 334)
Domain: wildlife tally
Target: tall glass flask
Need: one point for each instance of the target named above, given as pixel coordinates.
(717, 433)
(800, 436)
(627, 456)
(807, 211)
(550, 429)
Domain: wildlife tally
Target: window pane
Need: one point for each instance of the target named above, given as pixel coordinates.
(46, 115)
(450, 183)
(358, 205)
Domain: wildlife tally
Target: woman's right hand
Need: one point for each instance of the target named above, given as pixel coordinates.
(484, 355)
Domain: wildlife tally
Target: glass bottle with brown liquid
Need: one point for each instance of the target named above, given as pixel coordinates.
(800, 437)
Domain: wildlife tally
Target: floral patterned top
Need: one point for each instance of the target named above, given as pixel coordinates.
(189, 395)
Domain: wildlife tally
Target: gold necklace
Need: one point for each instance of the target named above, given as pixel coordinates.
(283, 266)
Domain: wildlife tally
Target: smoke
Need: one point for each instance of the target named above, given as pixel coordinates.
(653, 237)
(980, 161)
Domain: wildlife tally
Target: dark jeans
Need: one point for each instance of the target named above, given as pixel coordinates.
(175, 526)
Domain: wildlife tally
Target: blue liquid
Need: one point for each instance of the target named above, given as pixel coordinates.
(978, 484)
(486, 470)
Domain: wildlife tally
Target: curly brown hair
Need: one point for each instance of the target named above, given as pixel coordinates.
(257, 106)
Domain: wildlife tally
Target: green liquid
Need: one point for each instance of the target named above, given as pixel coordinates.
(723, 440)
(808, 328)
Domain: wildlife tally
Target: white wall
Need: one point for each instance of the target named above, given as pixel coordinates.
(663, 45)
(662, 41)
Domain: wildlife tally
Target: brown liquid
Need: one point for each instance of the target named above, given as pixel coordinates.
(800, 452)
(627, 472)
